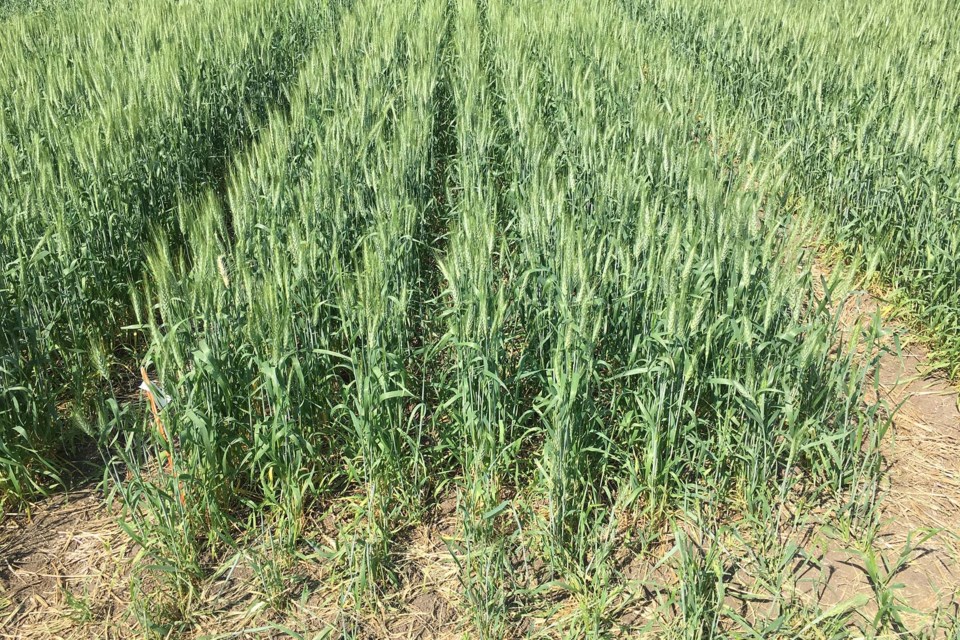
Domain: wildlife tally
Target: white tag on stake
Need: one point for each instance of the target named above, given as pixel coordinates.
(159, 396)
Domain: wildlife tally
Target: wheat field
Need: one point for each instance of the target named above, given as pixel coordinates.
(548, 274)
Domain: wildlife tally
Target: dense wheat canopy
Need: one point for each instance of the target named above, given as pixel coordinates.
(554, 259)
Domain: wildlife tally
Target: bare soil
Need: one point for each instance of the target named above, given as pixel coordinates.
(920, 491)
(64, 571)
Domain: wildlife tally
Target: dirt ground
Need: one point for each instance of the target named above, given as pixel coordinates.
(62, 568)
(920, 491)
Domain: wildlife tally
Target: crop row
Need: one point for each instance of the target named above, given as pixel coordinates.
(492, 249)
(14, 8)
(864, 102)
(111, 113)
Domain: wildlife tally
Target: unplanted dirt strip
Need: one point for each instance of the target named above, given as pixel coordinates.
(920, 492)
